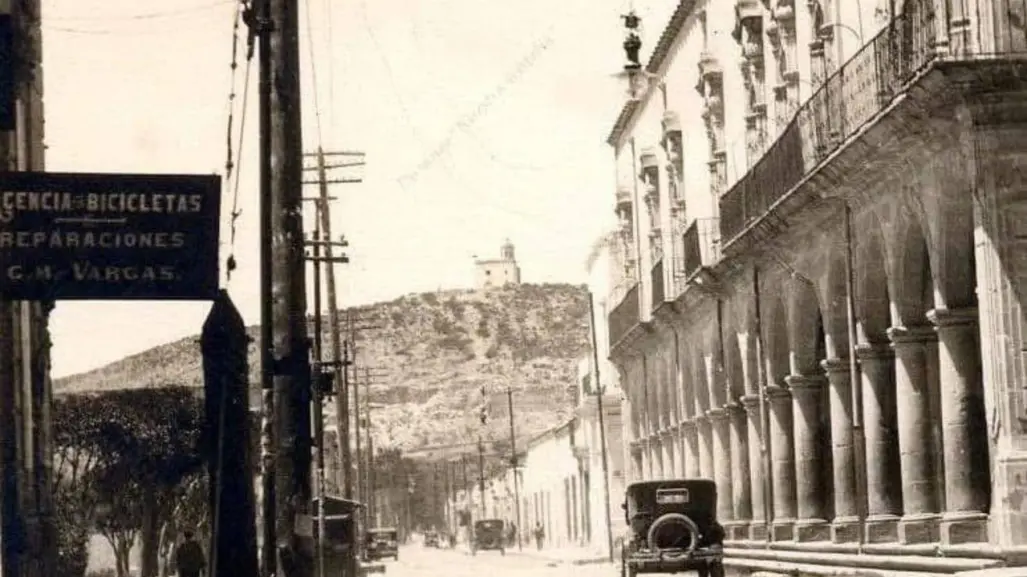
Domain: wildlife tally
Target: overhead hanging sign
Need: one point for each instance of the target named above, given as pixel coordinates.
(84, 236)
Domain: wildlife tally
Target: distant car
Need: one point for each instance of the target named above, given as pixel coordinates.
(431, 539)
(381, 543)
(488, 535)
(672, 528)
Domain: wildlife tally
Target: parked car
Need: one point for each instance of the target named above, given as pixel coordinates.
(672, 528)
(380, 543)
(431, 539)
(488, 535)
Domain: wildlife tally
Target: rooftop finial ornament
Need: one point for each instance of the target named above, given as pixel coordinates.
(633, 43)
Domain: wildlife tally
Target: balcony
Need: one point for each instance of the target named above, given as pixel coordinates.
(659, 290)
(848, 101)
(624, 316)
(702, 246)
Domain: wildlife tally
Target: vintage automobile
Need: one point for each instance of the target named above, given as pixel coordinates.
(673, 528)
(489, 535)
(431, 539)
(380, 543)
(340, 542)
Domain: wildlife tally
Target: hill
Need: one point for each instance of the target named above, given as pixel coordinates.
(429, 355)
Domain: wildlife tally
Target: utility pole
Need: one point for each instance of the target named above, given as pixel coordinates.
(600, 391)
(369, 473)
(290, 363)
(356, 408)
(339, 360)
(339, 357)
(320, 377)
(262, 29)
(513, 465)
(481, 474)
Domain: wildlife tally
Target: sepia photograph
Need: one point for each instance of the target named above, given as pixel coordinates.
(450, 288)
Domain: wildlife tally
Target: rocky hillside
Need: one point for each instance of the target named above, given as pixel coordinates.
(429, 355)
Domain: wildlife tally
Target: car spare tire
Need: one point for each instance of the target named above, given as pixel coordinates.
(488, 543)
(673, 531)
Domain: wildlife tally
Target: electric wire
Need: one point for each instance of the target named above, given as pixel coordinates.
(233, 167)
(143, 16)
(330, 40)
(313, 72)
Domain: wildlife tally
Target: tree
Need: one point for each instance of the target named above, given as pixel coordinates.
(122, 456)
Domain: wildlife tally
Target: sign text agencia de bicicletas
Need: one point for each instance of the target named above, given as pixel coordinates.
(108, 236)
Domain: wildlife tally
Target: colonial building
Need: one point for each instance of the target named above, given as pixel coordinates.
(498, 272)
(823, 226)
(553, 493)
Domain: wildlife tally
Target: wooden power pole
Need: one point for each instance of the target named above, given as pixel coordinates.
(513, 466)
(288, 348)
(322, 241)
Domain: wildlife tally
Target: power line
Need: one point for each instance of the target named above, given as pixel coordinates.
(145, 15)
(313, 72)
(233, 167)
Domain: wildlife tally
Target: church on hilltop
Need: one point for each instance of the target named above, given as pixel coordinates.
(503, 271)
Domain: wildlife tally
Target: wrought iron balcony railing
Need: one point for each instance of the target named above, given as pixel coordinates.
(624, 316)
(851, 97)
(701, 244)
(659, 291)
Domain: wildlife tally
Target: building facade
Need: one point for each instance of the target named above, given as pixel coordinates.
(822, 222)
(499, 272)
(553, 492)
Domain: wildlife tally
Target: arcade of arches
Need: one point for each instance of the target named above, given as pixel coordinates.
(938, 242)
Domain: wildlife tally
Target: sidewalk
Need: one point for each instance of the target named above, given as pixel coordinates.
(566, 555)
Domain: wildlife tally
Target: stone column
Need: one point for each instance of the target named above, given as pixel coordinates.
(741, 494)
(919, 522)
(782, 452)
(656, 454)
(757, 475)
(667, 442)
(705, 447)
(690, 448)
(807, 402)
(720, 426)
(637, 465)
(678, 445)
(967, 481)
(845, 527)
(647, 461)
(884, 484)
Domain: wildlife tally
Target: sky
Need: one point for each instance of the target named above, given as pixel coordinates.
(481, 120)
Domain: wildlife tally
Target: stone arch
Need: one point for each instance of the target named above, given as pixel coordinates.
(732, 329)
(775, 336)
(687, 383)
(718, 394)
(946, 208)
(700, 386)
(908, 267)
(870, 280)
(667, 406)
(650, 398)
(831, 295)
(804, 325)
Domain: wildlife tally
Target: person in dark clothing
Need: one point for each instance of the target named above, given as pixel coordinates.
(188, 559)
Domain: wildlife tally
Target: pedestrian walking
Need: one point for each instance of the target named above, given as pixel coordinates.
(540, 535)
(188, 559)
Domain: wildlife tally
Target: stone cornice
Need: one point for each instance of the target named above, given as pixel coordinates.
(835, 366)
(940, 317)
(913, 334)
